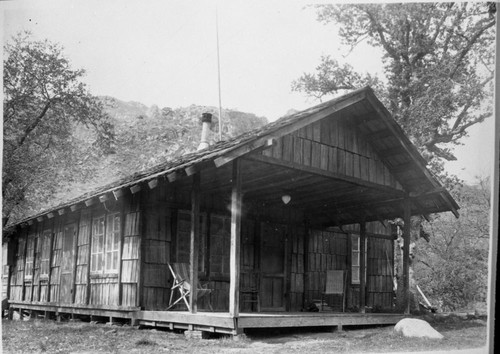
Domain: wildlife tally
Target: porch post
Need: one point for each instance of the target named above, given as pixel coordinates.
(362, 266)
(194, 242)
(234, 261)
(406, 254)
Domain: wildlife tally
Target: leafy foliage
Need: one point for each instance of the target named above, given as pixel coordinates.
(44, 104)
(438, 61)
(453, 267)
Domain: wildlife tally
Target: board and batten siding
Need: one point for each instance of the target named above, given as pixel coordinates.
(326, 250)
(379, 267)
(100, 265)
(131, 259)
(379, 273)
(334, 145)
(157, 242)
(297, 271)
(17, 278)
(55, 267)
(83, 258)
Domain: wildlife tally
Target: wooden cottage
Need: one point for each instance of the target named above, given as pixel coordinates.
(260, 219)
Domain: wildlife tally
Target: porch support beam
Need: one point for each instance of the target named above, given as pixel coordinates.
(323, 173)
(406, 254)
(234, 261)
(362, 266)
(194, 242)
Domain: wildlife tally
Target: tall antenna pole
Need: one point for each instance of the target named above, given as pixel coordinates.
(218, 72)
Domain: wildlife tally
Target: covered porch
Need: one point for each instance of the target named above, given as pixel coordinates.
(342, 164)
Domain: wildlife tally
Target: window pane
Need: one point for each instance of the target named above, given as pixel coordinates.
(355, 275)
(355, 243)
(116, 226)
(109, 241)
(115, 260)
(109, 261)
(355, 259)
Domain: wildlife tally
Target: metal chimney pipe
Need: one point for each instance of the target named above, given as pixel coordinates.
(206, 120)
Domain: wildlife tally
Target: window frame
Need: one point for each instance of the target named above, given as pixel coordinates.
(356, 269)
(45, 254)
(105, 242)
(29, 261)
(112, 248)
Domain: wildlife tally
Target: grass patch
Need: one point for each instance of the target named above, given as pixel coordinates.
(145, 342)
(52, 337)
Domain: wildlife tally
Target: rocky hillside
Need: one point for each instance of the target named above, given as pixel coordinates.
(146, 136)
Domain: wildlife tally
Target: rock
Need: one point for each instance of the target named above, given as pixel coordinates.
(412, 327)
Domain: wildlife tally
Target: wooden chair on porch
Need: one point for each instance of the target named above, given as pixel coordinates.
(335, 285)
(182, 282)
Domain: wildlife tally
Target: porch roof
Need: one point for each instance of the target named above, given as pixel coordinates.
(315, 190)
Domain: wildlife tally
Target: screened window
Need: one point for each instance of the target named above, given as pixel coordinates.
(112, 248)
(97, 254)
(105, 250)
(30, 255)
(45, 257)
(355, 259)
(20, 254)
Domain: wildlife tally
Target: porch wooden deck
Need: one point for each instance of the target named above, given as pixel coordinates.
(218, 322)
(222, 322)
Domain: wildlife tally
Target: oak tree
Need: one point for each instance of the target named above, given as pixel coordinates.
(51, 123)
(438, 65)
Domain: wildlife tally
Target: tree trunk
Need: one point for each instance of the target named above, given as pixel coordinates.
(398, 261)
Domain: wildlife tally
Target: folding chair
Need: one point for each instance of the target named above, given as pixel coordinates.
(180, 273)
(335, 285)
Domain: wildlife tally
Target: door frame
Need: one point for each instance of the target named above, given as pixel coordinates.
(283, 275)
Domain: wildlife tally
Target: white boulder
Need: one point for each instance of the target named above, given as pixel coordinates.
(412, 327)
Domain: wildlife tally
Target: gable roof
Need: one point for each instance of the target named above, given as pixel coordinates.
(385, 135)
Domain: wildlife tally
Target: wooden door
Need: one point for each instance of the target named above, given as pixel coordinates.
(273, 267)
(67, 265)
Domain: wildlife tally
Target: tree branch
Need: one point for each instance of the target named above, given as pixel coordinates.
(380, 32)
(469, 45)
(33, 125)
(463, 113)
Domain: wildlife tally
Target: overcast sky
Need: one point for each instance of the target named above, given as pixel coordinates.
(165, 53)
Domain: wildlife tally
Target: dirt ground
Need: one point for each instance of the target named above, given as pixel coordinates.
(48, 336)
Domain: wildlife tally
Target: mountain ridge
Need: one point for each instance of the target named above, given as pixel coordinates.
(144, 136)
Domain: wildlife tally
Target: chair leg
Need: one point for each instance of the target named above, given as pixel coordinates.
(171, 297)
(186, 301)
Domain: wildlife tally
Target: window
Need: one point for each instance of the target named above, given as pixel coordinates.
(112, 243)
(45, 263)
(96, 261)
(355, 259)
(105, 251)
(30, 255)
(20, 254)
